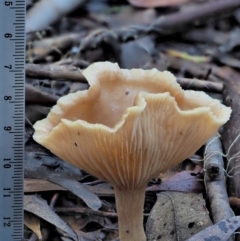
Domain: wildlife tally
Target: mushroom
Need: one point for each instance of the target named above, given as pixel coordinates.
(128, 127)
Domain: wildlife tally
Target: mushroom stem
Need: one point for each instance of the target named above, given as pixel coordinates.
(130, 205)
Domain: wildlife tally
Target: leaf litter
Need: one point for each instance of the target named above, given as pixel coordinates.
(163, 38)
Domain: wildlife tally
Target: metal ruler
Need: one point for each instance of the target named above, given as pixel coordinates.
(12, 102)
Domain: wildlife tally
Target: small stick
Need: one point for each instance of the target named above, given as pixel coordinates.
(66, 72)
(171, 23)
(215, 182)
(230, 136)
(35, 96)
(74, 74)
(86, 211)
(197, 84)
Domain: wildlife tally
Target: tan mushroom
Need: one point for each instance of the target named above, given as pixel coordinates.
(129, 126)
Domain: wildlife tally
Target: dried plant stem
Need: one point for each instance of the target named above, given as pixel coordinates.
(215, 182)
(171, 23)
(86, 211)
(231, 140)
(68, 72)
(130, 214)
(35, 96)
(200, 13)
(74, 74)
(196, 84)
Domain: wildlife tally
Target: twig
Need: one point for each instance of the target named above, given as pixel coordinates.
(86, 211)
(34, 96)
(215, 181)
(69, 73)
(231, 131)
(200, 13)
(196, 84)
(40, 49)
(169, 24)
(53, 200)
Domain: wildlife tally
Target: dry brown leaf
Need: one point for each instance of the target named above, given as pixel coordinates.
(185, 181)
(40, 185)
(38, 206)
(78, 222)
(33, 223)
(177, 216)
(40, 165)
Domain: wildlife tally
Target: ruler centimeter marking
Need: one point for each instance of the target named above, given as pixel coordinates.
(12, 118)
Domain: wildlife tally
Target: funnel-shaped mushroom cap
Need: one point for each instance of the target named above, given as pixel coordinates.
(130, 125)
